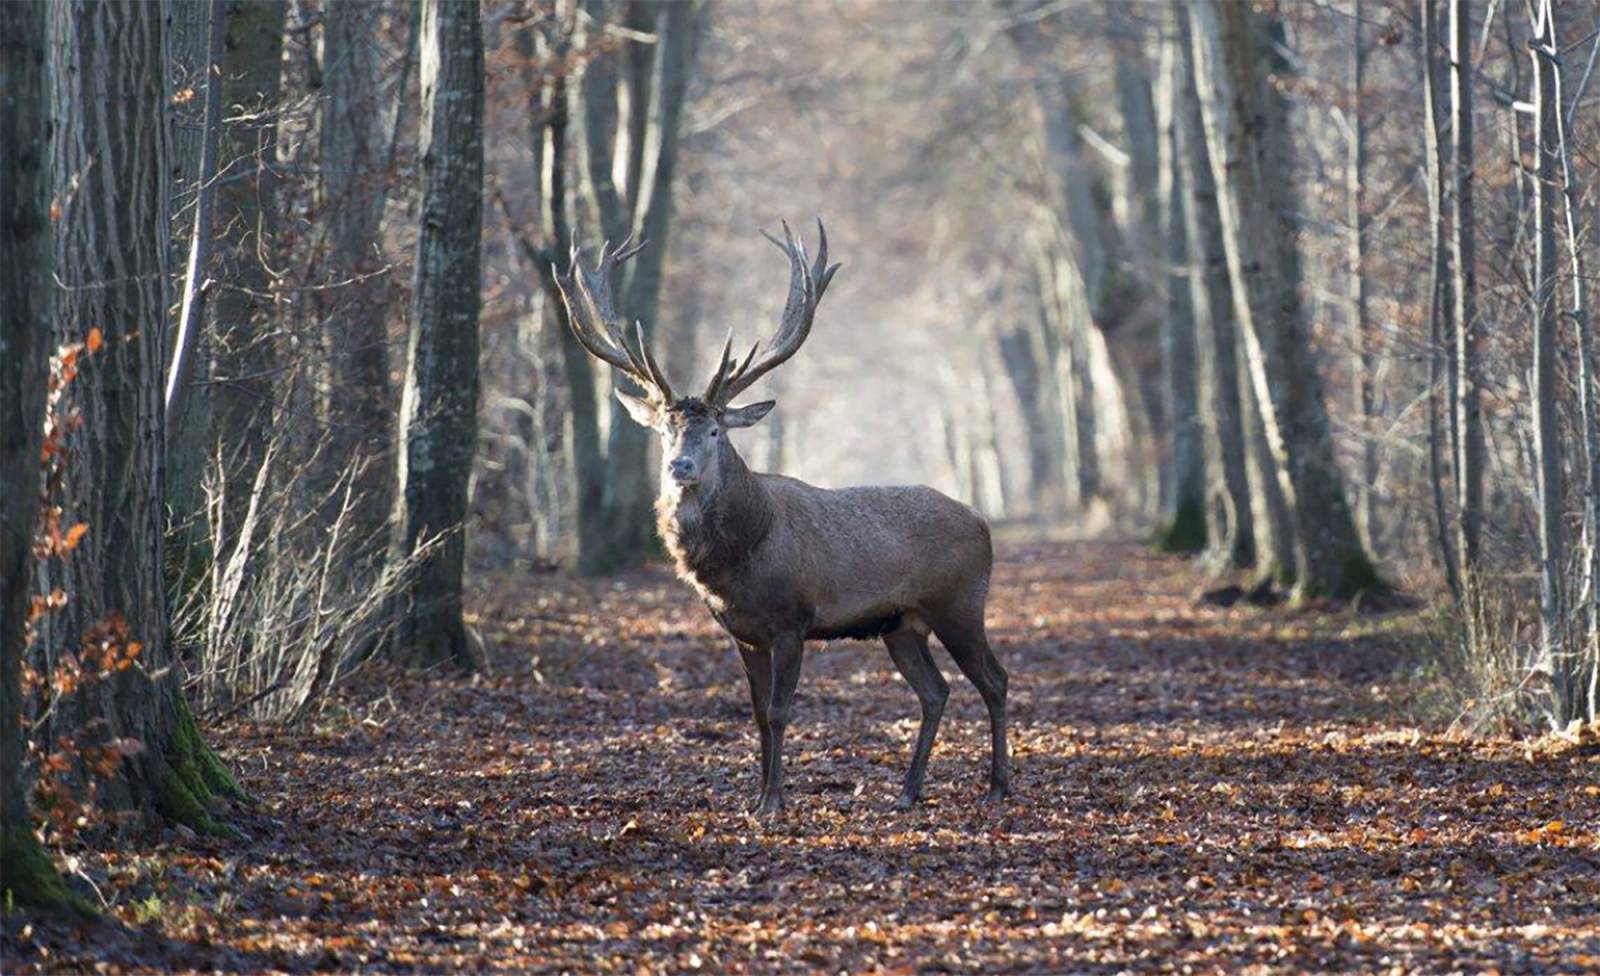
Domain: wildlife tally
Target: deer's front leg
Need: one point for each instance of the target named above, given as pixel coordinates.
(786, 652)
(758, 669)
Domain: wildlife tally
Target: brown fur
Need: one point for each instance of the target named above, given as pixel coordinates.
(779, 561)
(768, 553)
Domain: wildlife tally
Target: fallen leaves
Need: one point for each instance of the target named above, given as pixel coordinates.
(592, 817)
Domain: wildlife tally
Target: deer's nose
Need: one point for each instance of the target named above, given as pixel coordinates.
(682, 468)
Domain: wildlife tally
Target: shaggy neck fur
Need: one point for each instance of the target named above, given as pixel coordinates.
(710, 534)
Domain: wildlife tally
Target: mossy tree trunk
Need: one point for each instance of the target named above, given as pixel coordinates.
(439, 405)
(26, 876)
(111, 253)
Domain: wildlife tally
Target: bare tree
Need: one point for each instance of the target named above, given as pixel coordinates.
(1366, 358)
(1439, 292)
(243, 346)
(192, 299)
(26, 875)
(1021, 358)
(111, 255)
(439, 405)
(1556, 658)
(1470, 449)
(353, 187)
(1232, 536)
(1587, 652)
(187, 406)
(629, 107)
(1186, 532)
(1246, 126)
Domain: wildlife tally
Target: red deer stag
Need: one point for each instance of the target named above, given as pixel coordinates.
(779, 561)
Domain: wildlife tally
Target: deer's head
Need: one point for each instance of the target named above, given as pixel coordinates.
(693, 430)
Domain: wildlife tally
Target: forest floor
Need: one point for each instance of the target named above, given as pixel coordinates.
(1196, 789)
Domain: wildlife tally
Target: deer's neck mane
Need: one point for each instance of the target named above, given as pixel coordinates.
(709, 536)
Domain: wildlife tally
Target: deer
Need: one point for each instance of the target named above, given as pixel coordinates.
(778, 561)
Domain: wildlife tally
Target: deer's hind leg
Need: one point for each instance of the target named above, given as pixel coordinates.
(908, 648)
(964, 636)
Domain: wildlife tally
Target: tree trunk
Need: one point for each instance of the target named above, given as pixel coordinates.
(26, 875)
(550, 110)
(241, 314)
(1270, 516)
(1471, 449)
(1141, 125)
(1186, 530)
(352, 190)
(1232, 534)
(439, 405)
(1366, 363)
(1246, 122)
(1555, 660)
(187, 407)
(992, 464)
(111, 254)
(1438, 289)
(1018, 353)
(1066, 319)
(191, 307)
(630, 106)
(1588, 652)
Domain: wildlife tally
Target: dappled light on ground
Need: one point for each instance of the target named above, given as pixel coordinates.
(1194, 787)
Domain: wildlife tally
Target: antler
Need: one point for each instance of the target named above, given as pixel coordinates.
(806, 286)
(596, 325)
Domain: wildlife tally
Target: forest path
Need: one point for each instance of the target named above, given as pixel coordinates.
(1194, 786)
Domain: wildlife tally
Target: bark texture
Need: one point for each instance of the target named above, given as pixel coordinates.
(1471, 448)
(1555, 658)
(111, 253)
(1434, 150)
(1021, 357)
(439, 405)
(1186, 509)
(1366, 359)
(356, 395)
(187, 409)
(241, 333)
(26, 876)
(1246, 122)
(1231, 530)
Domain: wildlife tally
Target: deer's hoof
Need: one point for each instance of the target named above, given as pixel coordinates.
(769, 807)
(998, 793)
(906, 801)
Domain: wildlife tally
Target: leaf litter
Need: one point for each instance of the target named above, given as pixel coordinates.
(1197, 789)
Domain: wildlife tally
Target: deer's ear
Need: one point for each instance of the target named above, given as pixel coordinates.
(747, 415)
(644, 412)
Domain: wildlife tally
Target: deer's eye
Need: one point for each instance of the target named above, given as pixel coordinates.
(713, 432)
